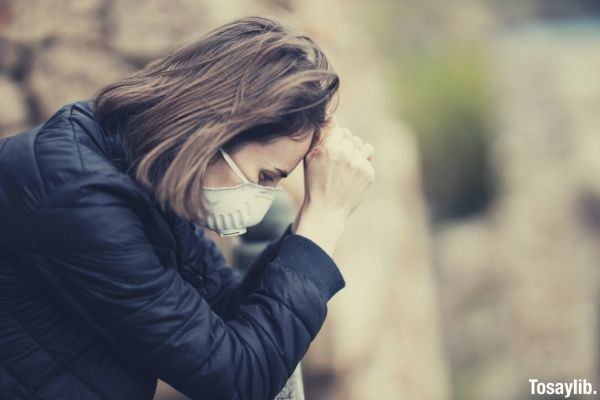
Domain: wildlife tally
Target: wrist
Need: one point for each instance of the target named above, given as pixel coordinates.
(297, 219)
(323, 227)
(332, 215)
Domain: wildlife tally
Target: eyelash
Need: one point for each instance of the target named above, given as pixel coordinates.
(265, 178)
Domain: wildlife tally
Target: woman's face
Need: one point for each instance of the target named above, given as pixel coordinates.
(262, 163)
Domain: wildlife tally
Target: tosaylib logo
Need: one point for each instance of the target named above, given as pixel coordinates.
(566, 389)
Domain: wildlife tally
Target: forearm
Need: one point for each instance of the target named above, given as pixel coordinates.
(232, 288)
(322, 226)
(262, 260)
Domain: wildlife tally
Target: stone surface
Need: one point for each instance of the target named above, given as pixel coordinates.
(13, 107)
(151, 28)
(545, 154)
(32, 21)
(65, 71)
(145, 30)
(473, 293)
(520, 284)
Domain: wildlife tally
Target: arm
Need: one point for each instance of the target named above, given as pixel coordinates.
(221, 285)
(91, 237)
(225, 288)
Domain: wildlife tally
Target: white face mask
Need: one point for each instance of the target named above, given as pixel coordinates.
(232, 209)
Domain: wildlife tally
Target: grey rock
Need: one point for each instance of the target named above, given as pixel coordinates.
(66, 71)
(13, 107)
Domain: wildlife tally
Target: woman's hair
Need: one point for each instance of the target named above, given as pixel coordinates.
(252, 79)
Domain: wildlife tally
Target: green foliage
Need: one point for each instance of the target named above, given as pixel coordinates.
(443, 94)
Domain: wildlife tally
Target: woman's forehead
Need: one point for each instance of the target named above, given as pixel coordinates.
(284, 153)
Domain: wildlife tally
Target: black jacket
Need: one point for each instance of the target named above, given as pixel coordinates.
(102, 292)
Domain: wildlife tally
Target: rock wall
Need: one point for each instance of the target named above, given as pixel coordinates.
(520, 284)
(548, 155)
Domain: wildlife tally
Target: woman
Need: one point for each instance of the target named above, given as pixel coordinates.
(105, 282)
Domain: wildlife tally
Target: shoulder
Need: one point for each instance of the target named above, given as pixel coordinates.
(65, 151)
(70, 144)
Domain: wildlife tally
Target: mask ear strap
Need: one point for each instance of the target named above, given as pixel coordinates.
(234, 166)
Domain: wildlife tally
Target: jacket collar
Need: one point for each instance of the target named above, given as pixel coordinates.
(110, 144)
(116, 151)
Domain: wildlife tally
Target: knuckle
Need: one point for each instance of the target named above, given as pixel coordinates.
(367, 168)
(347, 148)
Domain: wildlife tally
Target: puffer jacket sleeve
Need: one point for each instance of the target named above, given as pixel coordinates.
(222, 286)
(90, 234)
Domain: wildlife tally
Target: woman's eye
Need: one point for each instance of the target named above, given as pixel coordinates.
(264, 178)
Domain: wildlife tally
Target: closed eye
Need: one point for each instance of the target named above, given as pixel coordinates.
(266, 179)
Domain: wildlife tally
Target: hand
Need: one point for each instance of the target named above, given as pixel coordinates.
(337, 172)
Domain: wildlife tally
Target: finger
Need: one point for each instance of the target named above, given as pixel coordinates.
(346, 145)
(326, 130)
(347, 150)
(357, 142)
(346, 134)
(335, 136)
(367, 150)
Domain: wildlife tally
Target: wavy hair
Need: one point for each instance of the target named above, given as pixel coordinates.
(252, 79)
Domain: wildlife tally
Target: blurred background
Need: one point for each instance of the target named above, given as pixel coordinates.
(472, 264)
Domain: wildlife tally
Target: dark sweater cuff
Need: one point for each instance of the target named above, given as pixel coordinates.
(305, 256)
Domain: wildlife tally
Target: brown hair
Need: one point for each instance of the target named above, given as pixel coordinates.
(252, 79)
